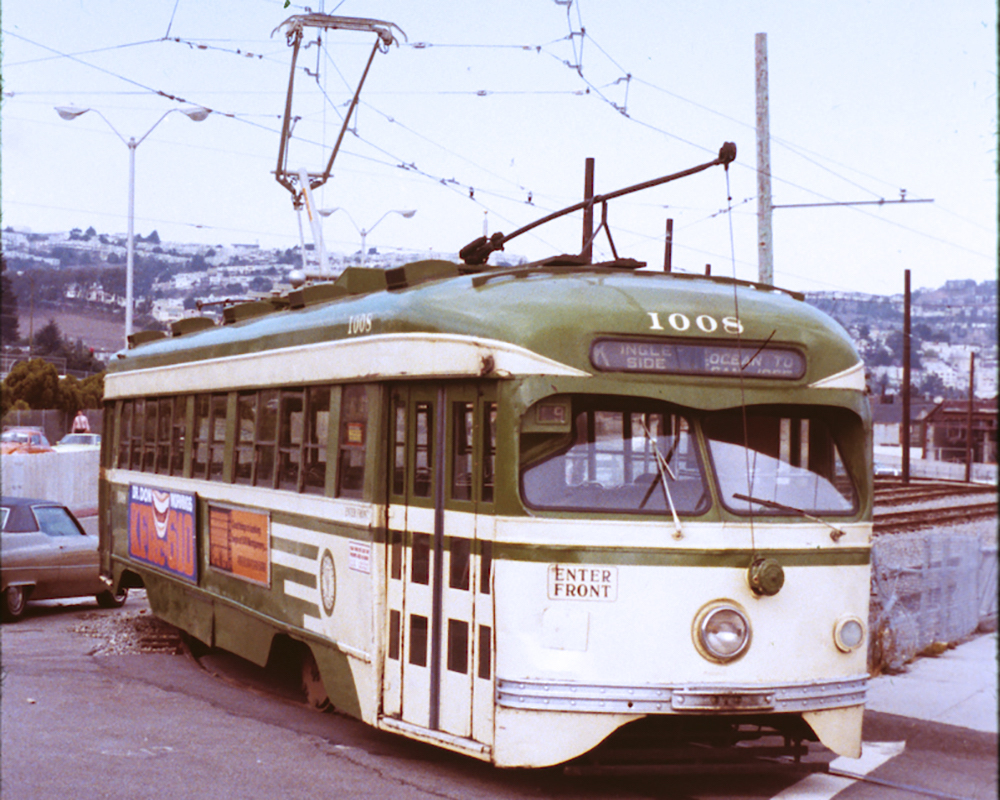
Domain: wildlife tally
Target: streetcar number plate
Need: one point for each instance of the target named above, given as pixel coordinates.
(708, 701)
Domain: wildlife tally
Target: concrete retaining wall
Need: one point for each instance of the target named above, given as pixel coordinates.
(69, 478)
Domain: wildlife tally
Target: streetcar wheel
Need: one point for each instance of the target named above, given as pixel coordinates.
(312, 683)
(110, 600)
(15, 600)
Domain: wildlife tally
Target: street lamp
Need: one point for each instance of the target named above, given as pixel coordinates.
(196, 114)
(405, 213)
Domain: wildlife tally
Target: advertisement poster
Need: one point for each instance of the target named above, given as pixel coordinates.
(161, 530)
(239, 543)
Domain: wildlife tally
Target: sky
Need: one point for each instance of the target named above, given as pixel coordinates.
(482, 117)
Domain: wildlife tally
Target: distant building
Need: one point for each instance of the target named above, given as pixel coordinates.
(946, 431)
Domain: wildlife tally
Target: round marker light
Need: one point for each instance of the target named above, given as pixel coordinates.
(848, 634)
(722, 632)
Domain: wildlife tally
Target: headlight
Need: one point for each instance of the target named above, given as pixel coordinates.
(722, 631)
(848, 634)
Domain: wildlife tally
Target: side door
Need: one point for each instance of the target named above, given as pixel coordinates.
(438, 667)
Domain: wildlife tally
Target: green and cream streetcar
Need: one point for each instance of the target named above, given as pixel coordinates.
(508, 511)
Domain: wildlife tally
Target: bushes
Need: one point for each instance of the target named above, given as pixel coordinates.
(36, 384)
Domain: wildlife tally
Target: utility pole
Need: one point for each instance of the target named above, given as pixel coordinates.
(904, 434)
(969, 450)
(668, 247)
(765, 256)
(588, 212)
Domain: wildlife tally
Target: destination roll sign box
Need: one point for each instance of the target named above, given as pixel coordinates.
(660, 357)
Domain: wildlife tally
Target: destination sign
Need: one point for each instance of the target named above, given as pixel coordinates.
(687, 358)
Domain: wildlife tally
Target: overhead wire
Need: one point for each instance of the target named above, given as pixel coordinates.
(578, 67)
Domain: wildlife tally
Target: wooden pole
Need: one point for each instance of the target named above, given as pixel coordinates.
(904, 435)
(969, 450)
(668, 248)
(588, 212)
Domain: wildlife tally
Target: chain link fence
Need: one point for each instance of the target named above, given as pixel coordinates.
(929, 589)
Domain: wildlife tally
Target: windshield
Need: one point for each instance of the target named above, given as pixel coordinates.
(618, 456)
(784, 458)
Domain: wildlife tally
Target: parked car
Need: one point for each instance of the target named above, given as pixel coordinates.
(45, 553)
(24, 440)
(78, 441)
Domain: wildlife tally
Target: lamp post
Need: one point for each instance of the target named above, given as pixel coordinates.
(405, 213)
(196, 114)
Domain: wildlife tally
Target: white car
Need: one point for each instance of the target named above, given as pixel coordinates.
(78, 441)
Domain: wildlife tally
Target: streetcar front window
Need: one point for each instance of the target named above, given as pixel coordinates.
(637, 456)
(778, 463)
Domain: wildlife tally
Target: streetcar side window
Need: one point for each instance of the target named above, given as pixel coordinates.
(399, 447)
(626, 456)
(422, 451)
(138, 424)
(461, 463)
(178, 435)
(124, 434)
(780, 462)
(353, 441)
(246, 425)
(209, 436)
(291, 431)
(315, 439)
(489, 451)
(164, 431)
(265, 437)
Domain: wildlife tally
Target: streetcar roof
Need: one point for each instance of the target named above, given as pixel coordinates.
(552, 312)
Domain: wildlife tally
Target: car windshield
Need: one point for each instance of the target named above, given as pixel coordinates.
(55, 521)
(78, 438)
(780, 462)
(637, 456)
(21, 437)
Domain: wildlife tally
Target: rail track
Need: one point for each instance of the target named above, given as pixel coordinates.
(921, 518)
(893, 493)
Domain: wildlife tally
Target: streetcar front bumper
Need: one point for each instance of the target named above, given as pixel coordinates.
(681, 699)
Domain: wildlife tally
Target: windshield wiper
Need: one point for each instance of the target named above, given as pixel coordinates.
(835, 533)
(664, 470)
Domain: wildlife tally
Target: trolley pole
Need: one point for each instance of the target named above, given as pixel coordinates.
(904, 434)
(765, 257)
(588, 212)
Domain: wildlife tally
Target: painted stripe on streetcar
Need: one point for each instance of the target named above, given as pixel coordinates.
(646, 557)
(397, 355)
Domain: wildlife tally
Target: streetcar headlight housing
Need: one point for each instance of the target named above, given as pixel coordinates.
(722, 631)
(848, 634)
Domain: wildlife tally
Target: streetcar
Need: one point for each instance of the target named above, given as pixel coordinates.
(510, 511)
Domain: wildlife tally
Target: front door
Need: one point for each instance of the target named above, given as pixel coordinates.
(439, 654)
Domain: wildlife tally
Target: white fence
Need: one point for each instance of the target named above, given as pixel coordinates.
(69, 478)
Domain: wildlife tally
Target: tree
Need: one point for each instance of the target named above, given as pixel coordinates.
(92, 391)
(36, 382)
(49, 341)
(8, 306)
(153, 238)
